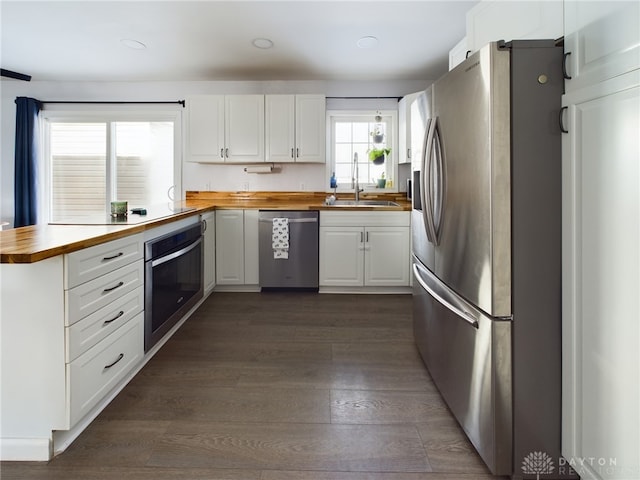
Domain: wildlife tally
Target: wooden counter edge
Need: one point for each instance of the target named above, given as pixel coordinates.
(201, 205)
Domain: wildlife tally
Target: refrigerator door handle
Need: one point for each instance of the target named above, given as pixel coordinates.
(424, 179)
(427, 208)
(444, 297)
(440, 179)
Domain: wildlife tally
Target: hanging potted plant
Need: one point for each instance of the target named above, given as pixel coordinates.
(376, 155)
(377, 135)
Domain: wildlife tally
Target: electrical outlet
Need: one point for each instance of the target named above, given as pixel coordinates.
(302, 186)
(208, 187)
(245, 186)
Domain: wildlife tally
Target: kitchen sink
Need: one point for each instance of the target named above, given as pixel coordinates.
(364, 203)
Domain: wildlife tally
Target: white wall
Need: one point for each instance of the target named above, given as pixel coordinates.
(194, 176)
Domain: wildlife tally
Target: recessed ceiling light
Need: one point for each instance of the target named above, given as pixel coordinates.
(263, 43)
(133, 44)
(367, 42)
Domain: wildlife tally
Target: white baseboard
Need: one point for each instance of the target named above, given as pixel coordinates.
(367, 290)
(26, 449)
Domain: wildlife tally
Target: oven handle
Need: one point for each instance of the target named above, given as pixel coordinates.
(171, 256)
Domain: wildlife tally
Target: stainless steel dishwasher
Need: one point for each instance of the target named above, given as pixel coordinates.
(295, 265)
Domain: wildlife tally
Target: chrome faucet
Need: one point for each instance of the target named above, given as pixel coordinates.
(354, 178)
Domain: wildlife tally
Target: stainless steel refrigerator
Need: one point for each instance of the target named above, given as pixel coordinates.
(487, 250)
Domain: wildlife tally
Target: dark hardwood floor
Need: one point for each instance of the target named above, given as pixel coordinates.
(276, 386)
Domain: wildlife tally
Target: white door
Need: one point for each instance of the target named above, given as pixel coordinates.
(244, 128)
(280, 128)
(341, 256)
(310, 128)
(209, 220)
(601, 40)
(601, 278)
(230, 247)
(205, 129)
(386, 260)
(251, 248)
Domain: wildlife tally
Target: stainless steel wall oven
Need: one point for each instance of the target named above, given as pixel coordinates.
(173, 280)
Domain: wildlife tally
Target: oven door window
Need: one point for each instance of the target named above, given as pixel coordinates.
(175, 283)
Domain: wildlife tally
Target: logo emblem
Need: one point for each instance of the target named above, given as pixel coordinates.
(537, 463)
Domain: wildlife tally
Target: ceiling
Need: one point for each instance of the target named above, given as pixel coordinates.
(212, 40)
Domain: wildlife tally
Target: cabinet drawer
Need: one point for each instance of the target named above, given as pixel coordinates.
(87, 332)
(89, 297)
(90, 263)
(94, 373)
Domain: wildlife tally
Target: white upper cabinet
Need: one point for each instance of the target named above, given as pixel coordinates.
(295, 128)
(458, 53)
(404, 128)
(490, 21)
(601, 41)
(225, 129)
(244, 128)
(205, 129)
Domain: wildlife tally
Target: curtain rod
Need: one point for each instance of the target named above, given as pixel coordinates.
(181, 102)
(365, 98)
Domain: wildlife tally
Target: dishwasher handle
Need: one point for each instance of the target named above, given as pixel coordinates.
(292, 220)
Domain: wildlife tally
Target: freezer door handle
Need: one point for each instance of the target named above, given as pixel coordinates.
(444, 297)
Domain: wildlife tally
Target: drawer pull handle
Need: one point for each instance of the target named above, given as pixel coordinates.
(120, 357)
(107, 322)
(112, 288)
(119, 254)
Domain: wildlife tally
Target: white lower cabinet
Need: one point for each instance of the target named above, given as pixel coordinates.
(341, 256)
(63, 354)
(93, 374)
(601, 279)
(209, 247)
(237, 247)
(368, 249)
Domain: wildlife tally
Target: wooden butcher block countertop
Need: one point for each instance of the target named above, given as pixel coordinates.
(39, 242)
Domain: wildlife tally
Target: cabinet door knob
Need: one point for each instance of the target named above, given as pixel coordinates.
(564, 66)
(107, 322)
(120, 357)
(561, 121)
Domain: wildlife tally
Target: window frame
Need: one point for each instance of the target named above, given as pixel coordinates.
(366, 115)
(107, 115)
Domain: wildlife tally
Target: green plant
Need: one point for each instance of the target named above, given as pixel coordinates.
(378, 152)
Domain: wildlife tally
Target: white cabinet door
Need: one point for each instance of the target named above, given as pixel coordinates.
(601, 278)
(341, 256)
(209, 220)
(229, 247)
(310, 128)
(205, 129)
(94, 373)
(458, 53)
(404, 128)
(386, 260)
(251, 248)
(280, 111)
(602, 40)
(244, 128)
(295, 128)
(490, 21)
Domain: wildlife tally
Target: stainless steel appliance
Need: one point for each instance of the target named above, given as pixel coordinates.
(486, 250)
(173, 280)
(300, 268)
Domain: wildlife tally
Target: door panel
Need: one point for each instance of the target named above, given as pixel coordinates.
(472, 108)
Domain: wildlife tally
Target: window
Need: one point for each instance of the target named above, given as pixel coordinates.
(94, 161)
(353, 133)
